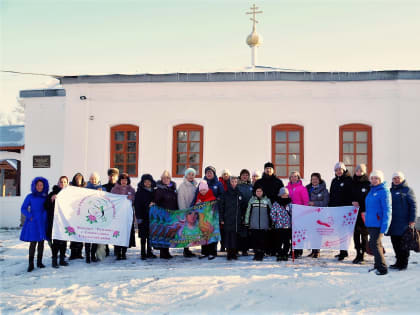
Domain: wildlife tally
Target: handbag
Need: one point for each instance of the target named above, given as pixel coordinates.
(411, 240)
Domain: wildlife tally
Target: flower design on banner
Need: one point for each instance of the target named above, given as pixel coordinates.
(350, 217)
(91, 219)
(116, 234)
(299, 236)
(70, 230)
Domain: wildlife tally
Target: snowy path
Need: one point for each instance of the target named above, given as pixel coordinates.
(194, 286)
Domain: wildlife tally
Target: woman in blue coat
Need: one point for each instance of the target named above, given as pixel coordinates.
(404, 213)
(34, 228)
(378, 215)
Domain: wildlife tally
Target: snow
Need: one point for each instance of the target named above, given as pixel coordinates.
(182, 285)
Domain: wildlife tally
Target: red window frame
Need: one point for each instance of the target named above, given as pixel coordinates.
(354, 128)
(186, 128)
(289, 167)
(124, 151)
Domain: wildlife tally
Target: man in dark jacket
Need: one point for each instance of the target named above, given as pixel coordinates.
(271, 186)
(360, 189)
(231, 206)
(113, 174)
(269, 182)
(404, 214)
(341, 193)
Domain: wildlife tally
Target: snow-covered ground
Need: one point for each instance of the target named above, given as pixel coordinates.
(200, 286)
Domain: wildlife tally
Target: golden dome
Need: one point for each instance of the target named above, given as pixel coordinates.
(254, 39)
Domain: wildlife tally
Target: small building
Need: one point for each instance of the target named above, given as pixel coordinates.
(12, 144)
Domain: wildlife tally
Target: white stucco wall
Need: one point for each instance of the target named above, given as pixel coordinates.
(237, 118)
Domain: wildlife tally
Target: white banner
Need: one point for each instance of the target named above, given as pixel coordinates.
(92, 216)
(322, 228)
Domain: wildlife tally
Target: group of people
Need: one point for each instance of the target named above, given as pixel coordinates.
(254, 212)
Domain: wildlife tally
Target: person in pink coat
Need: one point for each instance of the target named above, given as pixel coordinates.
(299, 195)
(297, 192)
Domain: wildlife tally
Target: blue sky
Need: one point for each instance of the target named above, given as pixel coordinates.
(104, 36)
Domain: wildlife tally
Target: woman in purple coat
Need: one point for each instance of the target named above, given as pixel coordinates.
(34, 228)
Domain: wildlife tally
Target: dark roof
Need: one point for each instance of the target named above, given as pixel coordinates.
(12, 136)
(244, 76)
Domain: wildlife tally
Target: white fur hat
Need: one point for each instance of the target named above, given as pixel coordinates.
(399, 174)
(378, 173)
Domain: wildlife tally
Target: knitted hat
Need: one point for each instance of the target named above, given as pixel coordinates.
(256, 173)
(244, 171)
(378, 173)
(283, 191)
(340, 165)
(210, 168)
(189, 170)
(203, 185)
(268, 164)
(225, 171)
(361, 167)
(399, 174)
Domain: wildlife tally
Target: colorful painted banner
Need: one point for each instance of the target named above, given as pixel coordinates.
(92, 216)
(198, 225)
(322, 228)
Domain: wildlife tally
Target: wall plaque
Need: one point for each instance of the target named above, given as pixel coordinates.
(41, 161)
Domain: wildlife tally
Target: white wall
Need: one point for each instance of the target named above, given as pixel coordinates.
(237, 119)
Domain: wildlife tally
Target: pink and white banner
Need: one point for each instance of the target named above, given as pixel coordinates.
(92, 216)
(322, 227)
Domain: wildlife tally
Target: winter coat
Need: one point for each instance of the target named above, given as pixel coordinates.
(378, 208)
(224, 183)
(404, 208)
(231, 206)
(186, 193)
(108, 187)
(298, 193)
(204, 198)
(166, 196)
(271, 186)
(92, 186)
(281, 214)
(360, 189)
(143, 198)
(318, 195)
(34, 228)
(49, 207)
(215, 186)
(257, 215)
(127, 190)
(246, 190)
(341, 193)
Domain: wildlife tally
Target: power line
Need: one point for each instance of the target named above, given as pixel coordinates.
(30, 73)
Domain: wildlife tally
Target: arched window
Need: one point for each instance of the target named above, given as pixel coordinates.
(187, 149)
(356, 146)
(287, 149)
(125, 149)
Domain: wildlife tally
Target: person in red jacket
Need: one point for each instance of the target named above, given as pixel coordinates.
(205, 194)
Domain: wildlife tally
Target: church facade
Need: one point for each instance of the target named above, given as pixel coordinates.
(301, 121)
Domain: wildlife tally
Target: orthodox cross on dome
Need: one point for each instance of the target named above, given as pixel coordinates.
(254, 11)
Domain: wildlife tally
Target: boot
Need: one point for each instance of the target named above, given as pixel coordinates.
(343, 254)
(188, 253)
(359, 258)
(123, 253)
(150, 254)
(54, 262)
(62, 257)
(87, 256)
(31, 263)
(229, 255)
(106, 250)
(39, 263)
